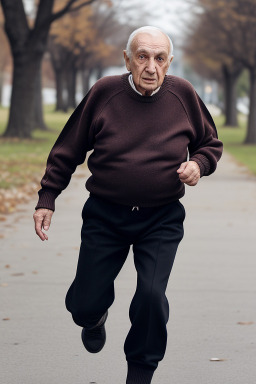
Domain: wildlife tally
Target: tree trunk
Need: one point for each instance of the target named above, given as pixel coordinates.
(21, 116)
(71, 86)
(28, 46)
(99, 72)
(61, 104)
(38, 109)
(230, 82)
(1, 87)
(251, 127)
(86, 74)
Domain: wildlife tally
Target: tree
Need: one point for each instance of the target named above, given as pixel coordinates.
(236, 20)
(206, 48)
(5, 56)
(85, 42)
(71, 38)
(28, 45)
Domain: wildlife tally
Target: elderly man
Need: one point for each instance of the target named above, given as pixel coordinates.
(150, 134)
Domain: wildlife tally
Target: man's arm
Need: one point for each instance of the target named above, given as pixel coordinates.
(205, 149)
(69, 151)
(63, 159)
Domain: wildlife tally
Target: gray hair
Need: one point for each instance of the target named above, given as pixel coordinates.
(149, 29)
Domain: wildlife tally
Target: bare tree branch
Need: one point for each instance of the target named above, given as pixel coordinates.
(68, 8)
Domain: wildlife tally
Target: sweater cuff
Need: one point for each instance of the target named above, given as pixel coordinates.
(47, 199)
(138, 374)
(203, 163)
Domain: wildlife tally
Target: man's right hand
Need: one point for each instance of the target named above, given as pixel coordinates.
(42, 218)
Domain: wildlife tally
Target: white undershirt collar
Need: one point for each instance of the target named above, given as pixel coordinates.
(133, 86)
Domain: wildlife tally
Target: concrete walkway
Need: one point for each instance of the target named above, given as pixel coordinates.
(212, 293)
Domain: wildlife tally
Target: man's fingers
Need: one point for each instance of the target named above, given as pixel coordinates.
(191, 181)
(38, 227)
(182, 167)
(42, 218)
(47, 221)
(190, 174)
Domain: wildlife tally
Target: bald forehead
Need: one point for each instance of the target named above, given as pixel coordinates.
(156, 40)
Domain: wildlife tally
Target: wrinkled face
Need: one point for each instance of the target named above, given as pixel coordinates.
(149, 61)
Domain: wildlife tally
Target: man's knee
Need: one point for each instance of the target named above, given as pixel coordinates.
(152, 295)
(86, 315)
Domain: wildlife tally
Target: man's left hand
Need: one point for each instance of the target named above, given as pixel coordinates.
(189, 173)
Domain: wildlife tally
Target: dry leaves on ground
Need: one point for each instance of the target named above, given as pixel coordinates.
(17, 274)
(10, 198)
(245, 322)
(217, 359)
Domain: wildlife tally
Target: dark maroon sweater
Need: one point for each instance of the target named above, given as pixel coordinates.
(138, 143)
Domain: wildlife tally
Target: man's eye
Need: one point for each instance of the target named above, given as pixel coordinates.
(141, 56)
(160, 59)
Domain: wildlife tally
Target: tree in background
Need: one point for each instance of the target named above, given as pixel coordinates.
(205, 47)
(244, 50)
(73, 39)
(5, 57)
(28, 45)
(85, 43)
(235, 20)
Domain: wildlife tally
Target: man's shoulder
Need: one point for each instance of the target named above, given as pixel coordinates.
(102, 91)
(109, 84)
(180, 86)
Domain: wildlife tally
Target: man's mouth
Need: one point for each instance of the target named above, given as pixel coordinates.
(148, 80)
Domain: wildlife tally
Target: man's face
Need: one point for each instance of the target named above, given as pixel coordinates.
(149, 61)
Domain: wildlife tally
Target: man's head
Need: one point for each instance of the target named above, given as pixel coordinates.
(148, 56)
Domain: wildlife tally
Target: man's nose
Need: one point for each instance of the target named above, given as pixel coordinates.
(151, 68)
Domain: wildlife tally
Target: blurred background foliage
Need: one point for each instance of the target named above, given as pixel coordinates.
(53, 51)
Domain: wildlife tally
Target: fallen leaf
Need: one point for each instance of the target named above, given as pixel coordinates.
(10, 198)
(217, 359)
(2, 218)
(245, 322)
(34, 272)
(7, 266)
(1, 236)
(6, 318)
(17, 274)
(3, 285)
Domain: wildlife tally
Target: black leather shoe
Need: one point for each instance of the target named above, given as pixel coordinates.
(94, 338)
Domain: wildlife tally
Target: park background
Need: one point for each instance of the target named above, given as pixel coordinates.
(51, 53)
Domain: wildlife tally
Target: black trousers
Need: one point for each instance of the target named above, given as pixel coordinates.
(108, 231)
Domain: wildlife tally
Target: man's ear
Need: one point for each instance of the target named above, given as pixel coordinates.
(169, 63)
(127, 61)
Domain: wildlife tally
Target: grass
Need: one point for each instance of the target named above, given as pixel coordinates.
(233, 139)
(23, 161)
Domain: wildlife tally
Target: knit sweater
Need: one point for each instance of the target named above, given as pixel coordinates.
(138, 143)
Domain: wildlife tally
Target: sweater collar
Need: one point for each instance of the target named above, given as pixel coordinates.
(130, 78)
(146, 99)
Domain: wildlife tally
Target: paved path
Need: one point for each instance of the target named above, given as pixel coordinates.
(211, 290)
